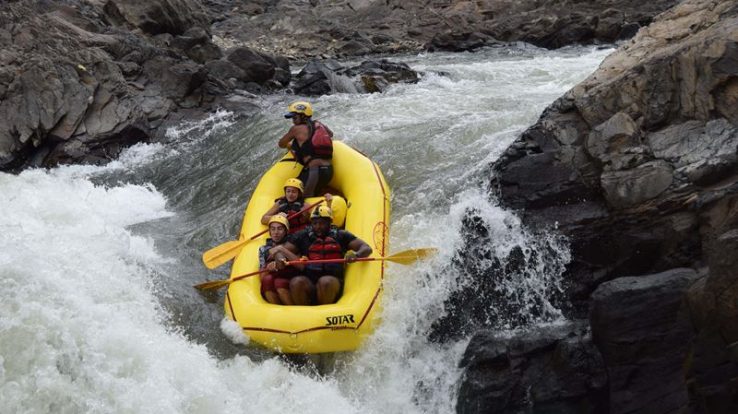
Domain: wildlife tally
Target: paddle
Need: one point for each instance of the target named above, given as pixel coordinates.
(223, 253)
(215, 284)
(404, 257)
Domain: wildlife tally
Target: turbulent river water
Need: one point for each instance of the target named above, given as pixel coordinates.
(97, 312)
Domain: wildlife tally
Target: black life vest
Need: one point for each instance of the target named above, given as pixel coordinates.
(325, 248)
(287, 272)
(298, 222)
(319, 145)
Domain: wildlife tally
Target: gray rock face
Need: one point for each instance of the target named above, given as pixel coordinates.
(637, 167)
(641, 326)
(544, 369)
(627, 188)
(76, 88)
(320, 77)
(703, 153)
(156, 17)
(329, 29)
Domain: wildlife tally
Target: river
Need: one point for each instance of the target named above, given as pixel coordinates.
(97, 312)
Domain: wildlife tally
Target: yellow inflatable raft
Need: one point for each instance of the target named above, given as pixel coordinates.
(364, 209)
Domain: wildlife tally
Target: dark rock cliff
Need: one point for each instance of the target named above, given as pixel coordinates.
(638, 167)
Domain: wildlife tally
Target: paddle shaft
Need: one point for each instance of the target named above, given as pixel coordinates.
(405, 257)
(329, 261)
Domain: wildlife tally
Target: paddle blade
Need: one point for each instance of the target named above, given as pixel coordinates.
(407, 257)
(222, 253)
(213, 284)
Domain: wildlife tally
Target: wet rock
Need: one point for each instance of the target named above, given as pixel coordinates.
(318, 77)
(627, 188)
(330, 29)
(621, 141)
(164, 16)
(703, 152)
(378, 75)
(642, 328)
(459, 42)
(256, 66)
(96, 86)
(196, 44)
(355, 48)
(615, 135)
(637, 167)
(540, 369)
(714, 371)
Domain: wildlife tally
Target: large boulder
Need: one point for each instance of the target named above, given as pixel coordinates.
(158, 16)
(260, 67)
(554, 368)
(642, 328)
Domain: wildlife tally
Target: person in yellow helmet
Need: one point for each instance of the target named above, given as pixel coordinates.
(321, 283)
(272, 257)
(292, 202)
(311, 143)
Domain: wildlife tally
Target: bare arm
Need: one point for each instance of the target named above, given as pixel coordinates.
(272, 211)
(284, 142)
(292, 249)
(360, 248)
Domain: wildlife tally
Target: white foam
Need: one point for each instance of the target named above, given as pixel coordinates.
(81, 329)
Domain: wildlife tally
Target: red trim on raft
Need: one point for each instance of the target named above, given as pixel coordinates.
(230, 305)
(319, 328)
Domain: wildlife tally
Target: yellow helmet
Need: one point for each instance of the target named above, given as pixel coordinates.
(294, 182)
(322, 212)
(299, 107)
(278, 218)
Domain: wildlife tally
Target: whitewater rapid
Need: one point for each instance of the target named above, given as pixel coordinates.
(97, 313)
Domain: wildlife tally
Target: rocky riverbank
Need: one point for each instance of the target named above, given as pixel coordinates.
(638, 167)
(82, 79)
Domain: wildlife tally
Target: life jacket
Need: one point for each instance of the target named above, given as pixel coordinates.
(298, 222)
(319, 145)
(287, 272)
(325, 248)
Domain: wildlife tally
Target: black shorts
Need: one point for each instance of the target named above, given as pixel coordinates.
(324, 176)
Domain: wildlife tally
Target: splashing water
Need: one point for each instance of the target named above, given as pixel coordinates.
(98, 315)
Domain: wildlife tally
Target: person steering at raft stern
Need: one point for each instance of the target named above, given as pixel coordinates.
(310, 143)
(272, 257)
(322, 240)
(291, 203)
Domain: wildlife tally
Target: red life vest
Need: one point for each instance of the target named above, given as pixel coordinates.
(320, 144)
(321, 140)
(298, 222)
(325, 248)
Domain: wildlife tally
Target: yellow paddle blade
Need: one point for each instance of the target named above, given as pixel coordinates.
(407, 257)
(222, 253)
(213, 284)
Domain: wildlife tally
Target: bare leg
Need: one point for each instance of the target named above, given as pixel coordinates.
(272, 297)
(302, 290)
(328, 287)
(312, 181)
(284, 296)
